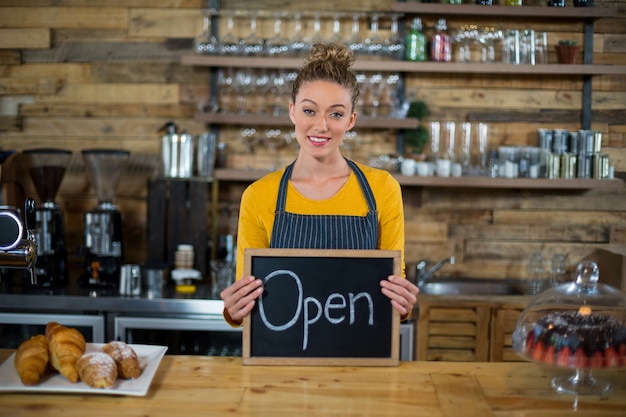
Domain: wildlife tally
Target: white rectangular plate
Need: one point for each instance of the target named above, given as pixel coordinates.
(149, 359)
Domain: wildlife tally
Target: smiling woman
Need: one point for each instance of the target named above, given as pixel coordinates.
(321, 200)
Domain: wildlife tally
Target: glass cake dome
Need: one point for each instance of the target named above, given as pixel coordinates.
(579, 325)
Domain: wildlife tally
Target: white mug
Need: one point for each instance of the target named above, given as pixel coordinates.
(408, 166)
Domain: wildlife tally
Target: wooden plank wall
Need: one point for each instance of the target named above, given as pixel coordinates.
(76, 74)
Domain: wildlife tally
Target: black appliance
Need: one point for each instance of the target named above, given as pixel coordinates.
(104, 253)
(46, 167)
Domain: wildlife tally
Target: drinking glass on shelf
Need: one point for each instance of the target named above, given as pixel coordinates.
(277, 45)
(479, 148)
(206, 42)
(393, 47)
(227, 100)
(336, 36)
(435, 141)
(558, 269)
(252, 44)
(229, 43)
(541, 47)
(274, 138)
(249, 138)
(297, 45)
(373, 45)
(317, 30)
(261, 89)
(243, 88)
(355, 43)
(464, 155)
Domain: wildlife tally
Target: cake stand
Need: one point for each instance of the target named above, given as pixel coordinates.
(579, 325)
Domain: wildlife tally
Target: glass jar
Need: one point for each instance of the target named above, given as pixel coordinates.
(441, 50)
(416, 42)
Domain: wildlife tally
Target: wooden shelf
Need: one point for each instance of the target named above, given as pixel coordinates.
(227, 174)
(268, 120)
(406, 66)
(565, 13)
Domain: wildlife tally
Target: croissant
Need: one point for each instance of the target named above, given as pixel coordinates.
(31, 359)
(125, 358)
(67, 345)
(97, 369)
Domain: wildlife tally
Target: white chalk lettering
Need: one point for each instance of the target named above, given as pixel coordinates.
(330, 305)
(370, 306)
(333, 303)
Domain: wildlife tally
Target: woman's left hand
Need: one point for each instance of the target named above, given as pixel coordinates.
(401, 292)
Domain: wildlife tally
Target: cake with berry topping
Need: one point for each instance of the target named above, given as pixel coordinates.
(577, 339)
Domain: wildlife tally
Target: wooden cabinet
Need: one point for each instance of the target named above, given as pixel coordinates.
(466, 328)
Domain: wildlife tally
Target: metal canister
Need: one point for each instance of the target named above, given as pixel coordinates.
(585, 142)
(559, 141)
(545, 138)
(568, 165)
(583, 166)
(573, 142)
(553, 166)
(597, 142)
(600, 166)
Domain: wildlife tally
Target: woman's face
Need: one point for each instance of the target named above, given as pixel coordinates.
(322, 114)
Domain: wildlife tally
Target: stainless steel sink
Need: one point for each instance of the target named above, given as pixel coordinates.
(469, 286)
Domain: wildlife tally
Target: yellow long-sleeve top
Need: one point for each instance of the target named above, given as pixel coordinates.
(258, 204)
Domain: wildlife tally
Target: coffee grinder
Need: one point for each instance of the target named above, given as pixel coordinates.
(104, 253)
(47, 168)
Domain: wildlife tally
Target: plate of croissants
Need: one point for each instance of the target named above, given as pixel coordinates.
(61, 361)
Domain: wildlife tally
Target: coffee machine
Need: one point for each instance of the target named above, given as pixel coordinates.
(46, 168)
(17, 239)
(104, 253)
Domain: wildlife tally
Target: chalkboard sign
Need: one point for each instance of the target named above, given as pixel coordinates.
(322, 307)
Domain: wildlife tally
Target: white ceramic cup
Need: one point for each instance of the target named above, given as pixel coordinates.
(444, 167)
(408, 166)
(423, 169)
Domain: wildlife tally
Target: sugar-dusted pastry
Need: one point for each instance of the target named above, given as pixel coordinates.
(97, 369)
(66, 345)
(125, 357)
(31, 359)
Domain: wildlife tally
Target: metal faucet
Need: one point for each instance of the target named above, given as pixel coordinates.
(424, 275)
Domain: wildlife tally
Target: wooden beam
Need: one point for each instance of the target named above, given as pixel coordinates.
(24, 38)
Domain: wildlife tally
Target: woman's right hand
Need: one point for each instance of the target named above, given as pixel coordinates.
(240, 297)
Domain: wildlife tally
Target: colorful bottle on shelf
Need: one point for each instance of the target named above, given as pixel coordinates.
(512, 2)
(441, 50)
(415, 42)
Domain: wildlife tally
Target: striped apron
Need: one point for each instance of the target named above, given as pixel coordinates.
(304, 231)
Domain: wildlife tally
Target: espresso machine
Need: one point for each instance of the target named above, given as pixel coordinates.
(18, 249)
(46, 168)
(104, 253)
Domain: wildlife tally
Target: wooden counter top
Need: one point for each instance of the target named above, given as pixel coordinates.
(191, 386)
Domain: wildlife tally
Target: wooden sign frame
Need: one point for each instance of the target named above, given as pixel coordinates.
(321, 256)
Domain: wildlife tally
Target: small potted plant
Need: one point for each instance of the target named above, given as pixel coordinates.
(416, 139)
(567, 52)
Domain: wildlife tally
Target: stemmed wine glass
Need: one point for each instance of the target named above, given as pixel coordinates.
(393, 47)
(206, 42)
(355, 43)
(249, 138)
(261, 88)
(226, 91)
(229, 43)
(297, 46)
(336, 36)
(252, 44)
(317, 30)
(274, 139)
(373, 45)
(277, 45)
(244, 86)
